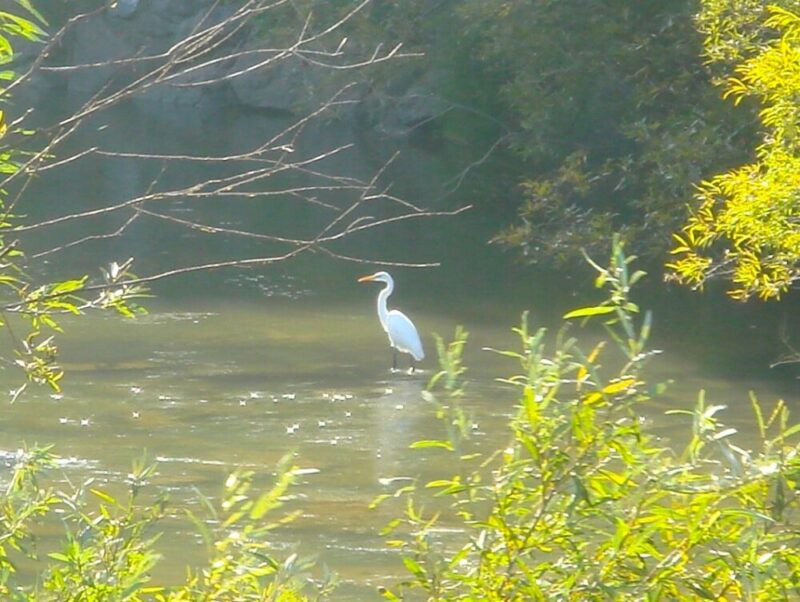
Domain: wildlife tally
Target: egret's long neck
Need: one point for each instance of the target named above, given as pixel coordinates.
(383, 311)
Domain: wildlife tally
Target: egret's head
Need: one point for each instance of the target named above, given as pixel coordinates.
(376, 277)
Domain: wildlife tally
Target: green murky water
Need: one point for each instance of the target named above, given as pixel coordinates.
(240, 384)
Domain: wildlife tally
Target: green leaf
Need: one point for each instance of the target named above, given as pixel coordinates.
(586, 312)
(414, 567)
(263, 505)
(389, 595)
(791, 430)
(30, 8)
(378, 500)
(431, 443)
(103, 496)
(233, 518)
(68, 286)
(441, 483)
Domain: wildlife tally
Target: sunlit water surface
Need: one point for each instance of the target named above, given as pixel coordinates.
(239, 384)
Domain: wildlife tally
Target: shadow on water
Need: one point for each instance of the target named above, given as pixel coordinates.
(239, 368)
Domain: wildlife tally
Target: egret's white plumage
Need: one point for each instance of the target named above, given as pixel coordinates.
(402, 333)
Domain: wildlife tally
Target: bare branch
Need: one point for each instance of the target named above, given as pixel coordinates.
(459, 178)
(381, 262)
(392, 220)
(216, 51)
(792, 356)
(90, 237)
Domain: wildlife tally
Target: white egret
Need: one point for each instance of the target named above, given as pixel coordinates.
(403, 335)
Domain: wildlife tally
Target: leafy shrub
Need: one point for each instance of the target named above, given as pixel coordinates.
(109, 546)
(586, 502)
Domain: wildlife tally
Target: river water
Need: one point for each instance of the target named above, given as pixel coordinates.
(238, 368)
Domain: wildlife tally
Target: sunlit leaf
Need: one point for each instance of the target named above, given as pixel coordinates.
(591, 358)
(586, 312)
(431, 443)
(619, 385)
(103, 496)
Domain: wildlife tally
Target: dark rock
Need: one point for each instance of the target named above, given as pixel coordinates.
(399, 109)
(286, 85)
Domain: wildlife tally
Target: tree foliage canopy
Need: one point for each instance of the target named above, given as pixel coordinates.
(747, 222)
(612, 114)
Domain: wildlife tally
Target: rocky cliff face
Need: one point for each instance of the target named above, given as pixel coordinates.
(102, 45)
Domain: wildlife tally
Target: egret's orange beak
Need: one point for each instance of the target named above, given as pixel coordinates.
(369, 278)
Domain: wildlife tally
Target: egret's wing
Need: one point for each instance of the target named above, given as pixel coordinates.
(403, 334)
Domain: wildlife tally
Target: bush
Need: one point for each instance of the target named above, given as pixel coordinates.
(109, 546)
(586, 502)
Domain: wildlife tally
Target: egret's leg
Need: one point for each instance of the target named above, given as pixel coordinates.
(413, 367)
(394, 360)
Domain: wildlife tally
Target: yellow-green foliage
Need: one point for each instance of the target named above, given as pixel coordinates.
(109, 548)
(747, 225)
(586, 501)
